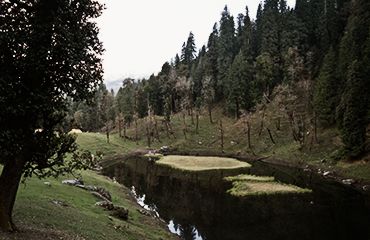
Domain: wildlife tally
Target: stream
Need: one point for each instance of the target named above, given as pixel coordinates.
(195, 205)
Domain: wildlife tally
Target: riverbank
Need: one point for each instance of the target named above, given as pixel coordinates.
(49, 210)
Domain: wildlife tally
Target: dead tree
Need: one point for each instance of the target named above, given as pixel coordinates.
(271, 138)
(136, 132)
(221, 129)
(124, 130)
(119, 121)
(156, 132)
(248, 132)
(197, 121)
(184, 128)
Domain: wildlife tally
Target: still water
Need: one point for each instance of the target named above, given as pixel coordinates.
(197, 207)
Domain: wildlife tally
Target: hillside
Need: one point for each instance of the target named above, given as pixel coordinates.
(273, 135)
(59, 211)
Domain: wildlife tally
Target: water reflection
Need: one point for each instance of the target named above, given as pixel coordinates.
(196, 206)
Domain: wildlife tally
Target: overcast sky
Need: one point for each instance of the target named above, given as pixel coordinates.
(140, 35)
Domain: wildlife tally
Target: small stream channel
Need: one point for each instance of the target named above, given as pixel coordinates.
(197, 207)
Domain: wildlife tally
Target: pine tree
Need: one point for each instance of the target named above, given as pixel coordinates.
(353, 110)
(326, 90)
(226, 48)
(189, 50)
(239, 86)
(211, 65)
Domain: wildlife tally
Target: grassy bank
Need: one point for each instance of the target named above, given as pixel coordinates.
(58, 211)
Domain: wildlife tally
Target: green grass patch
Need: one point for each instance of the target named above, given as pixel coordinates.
(195, 163)
(81, 219)
(249, 185)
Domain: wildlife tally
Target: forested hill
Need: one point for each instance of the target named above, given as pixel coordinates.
(315, 58)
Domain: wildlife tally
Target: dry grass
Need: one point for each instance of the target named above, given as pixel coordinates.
(192, 163)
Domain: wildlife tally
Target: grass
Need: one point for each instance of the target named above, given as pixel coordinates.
(249, 185)
(81, 219)
(195, 163)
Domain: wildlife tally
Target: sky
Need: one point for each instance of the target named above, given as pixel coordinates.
(140, 35)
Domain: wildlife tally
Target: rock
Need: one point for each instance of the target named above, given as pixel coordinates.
(200, 143)
(75, 131)
(99, 196)
(120, 213)
(348, 181)
(327, 173)
(73, 182)
(105, 193)
(142, 211)
(91, 188)
(164, 149)
(232, 142)
(105, 204)
(81, 186)
(59, 203)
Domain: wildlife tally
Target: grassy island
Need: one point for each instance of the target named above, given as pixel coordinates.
(196, 163)
(249, 185)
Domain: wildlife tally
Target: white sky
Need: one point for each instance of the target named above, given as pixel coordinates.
(140, 35)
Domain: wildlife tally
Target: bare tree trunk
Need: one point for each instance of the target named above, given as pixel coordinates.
(210, 113)
(192, 115)
(278, 123)
(124, 130)
(107, 131)
(170, 131)
(148, 135)
(156, 130)
(197, 122)
(9, 182)
(315, 128)
(262, 123)
(222, 135)
(249, 135)
(184, 118)
(119, 127)
(271, 138)
(136, 133)
(184, 129)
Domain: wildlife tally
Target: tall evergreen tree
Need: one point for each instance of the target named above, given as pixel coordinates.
(353, 110)
(211, 66)
(189, 50)
(226, 47)
(239, 86)
(326, 90)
